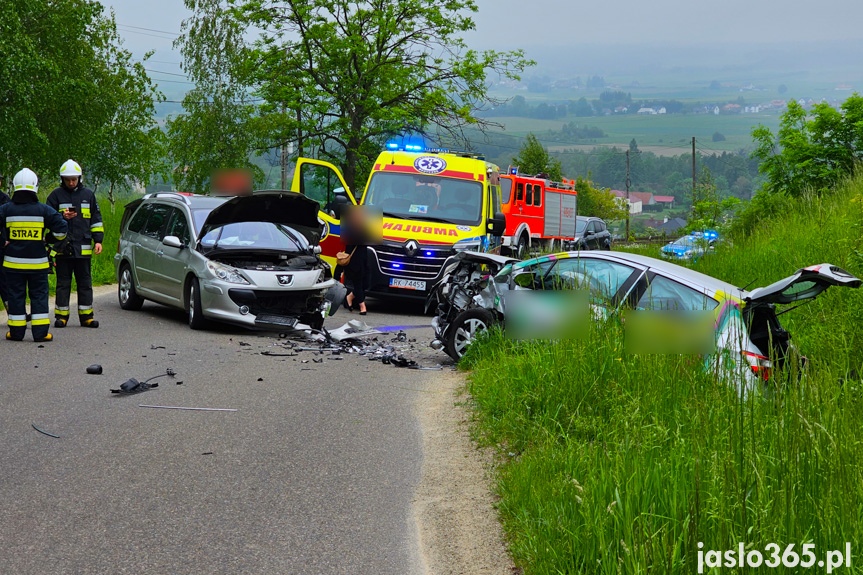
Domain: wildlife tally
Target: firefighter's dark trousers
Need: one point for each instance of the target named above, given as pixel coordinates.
(80, 267)
(4, 294)
(19, 284)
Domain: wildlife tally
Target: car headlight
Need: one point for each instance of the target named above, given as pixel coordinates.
(470, 245)
(226, 273)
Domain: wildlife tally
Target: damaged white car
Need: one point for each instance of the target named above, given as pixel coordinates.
(477, 291)
(253, 260)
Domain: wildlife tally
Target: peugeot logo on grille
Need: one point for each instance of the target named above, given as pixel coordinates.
(285, 280)
(411, 248)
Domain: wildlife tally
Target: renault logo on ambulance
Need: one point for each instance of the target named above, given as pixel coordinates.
(411, 248)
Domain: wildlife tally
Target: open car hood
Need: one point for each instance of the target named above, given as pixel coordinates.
(483, 258)
(278, 207)
(806, 283)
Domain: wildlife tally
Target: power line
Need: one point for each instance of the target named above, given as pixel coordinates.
(175, 34)
(168, 73)
(146, 34)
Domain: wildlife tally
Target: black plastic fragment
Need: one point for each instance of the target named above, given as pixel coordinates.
(94, 369)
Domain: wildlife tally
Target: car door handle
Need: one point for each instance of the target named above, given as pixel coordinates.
(137, 245)
(160, 253)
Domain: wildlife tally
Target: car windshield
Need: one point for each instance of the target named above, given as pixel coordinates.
(254, 235)
(200, 216)
(422, 197)
(688, 242)
(580, 225)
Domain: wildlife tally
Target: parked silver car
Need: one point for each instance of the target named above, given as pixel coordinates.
(252, 261)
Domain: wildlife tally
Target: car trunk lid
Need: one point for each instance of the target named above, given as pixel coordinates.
(805, 283)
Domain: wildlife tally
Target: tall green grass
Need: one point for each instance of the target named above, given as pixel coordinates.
(612, 463)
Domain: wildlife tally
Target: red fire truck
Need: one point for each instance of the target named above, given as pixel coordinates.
(540, 214)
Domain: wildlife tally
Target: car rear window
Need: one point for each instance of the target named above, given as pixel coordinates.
(156, 222)
(140, 218)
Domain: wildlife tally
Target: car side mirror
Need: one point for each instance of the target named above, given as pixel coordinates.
(589, 233)
(497, 225)
(172, 242)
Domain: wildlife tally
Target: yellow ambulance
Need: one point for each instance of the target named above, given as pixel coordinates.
(435, 203)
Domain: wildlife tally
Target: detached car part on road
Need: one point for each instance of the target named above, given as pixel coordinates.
(476, 292)
(252, 261)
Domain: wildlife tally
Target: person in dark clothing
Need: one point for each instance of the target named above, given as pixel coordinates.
(356, 273)
(25, 260)
(4, 294)
(86, 231)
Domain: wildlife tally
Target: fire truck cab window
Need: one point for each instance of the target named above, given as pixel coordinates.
(519, 193)
(505, 190)
(528, 200)
(537, 195)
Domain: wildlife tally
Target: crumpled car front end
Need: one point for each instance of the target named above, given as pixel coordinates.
(261, 266)
(468, 300)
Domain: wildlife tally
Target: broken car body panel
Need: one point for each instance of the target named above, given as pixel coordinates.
(749, 340)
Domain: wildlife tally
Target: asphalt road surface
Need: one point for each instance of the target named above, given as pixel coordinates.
(314, 473)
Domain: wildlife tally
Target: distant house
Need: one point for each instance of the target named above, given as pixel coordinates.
(646, 198)
(635, 205)
(666, 201)
(661, 110)
(673, 225)
(646, 112)
(621, 110)
(715, 110)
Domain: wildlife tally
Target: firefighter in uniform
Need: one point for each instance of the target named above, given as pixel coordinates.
(25, 260)
(4, 297)
(80, 209)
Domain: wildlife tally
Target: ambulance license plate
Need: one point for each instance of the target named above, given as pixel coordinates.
(408, 284)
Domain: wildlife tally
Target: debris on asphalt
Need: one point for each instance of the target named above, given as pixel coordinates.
(158, 347)
(187, 408)
(132, 386)
(355, 338)
(44, 432)
(273, 354)
(94, 369)
(260, 379)
(207, 453)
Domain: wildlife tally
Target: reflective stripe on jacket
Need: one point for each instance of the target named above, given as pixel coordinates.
(24, 226)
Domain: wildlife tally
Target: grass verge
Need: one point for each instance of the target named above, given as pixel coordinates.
(612, 463)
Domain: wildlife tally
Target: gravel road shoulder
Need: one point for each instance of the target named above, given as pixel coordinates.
(454, 508)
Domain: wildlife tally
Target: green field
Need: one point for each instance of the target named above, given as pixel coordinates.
(669, 134)
(614, 463)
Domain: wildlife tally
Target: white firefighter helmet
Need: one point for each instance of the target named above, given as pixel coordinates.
(26, 179)
(70, 169)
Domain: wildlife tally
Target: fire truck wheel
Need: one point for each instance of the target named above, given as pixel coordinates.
(464, 329)
(523, 247)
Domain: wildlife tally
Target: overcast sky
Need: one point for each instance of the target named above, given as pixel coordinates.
(542, 24)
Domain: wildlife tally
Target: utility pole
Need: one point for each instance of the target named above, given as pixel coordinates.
(693, 169)
(628, 209)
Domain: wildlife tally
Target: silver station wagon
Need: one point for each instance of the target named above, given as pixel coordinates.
(252, 260)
